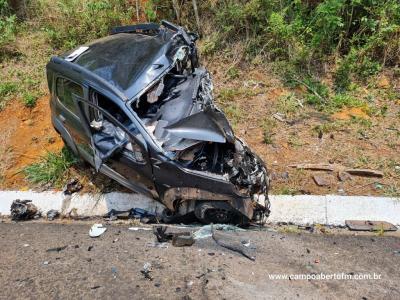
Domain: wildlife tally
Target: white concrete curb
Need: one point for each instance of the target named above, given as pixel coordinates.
(300, 210)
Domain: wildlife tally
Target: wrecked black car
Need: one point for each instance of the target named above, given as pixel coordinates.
(138, 107)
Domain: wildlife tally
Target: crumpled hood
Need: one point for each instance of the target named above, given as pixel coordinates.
(208, 125)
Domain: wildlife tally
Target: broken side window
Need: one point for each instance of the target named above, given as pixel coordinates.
(96, 117)
(65, 89)
(110, 136)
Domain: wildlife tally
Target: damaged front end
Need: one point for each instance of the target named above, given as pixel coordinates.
(179, 112)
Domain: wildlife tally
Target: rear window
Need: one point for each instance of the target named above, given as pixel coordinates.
(65, 89)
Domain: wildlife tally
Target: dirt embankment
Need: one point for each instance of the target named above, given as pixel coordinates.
(26, 135)
(351, 137)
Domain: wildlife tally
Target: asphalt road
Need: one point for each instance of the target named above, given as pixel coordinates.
(112, 267)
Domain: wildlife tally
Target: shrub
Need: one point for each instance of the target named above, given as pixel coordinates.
(29, 100)
(8, 25)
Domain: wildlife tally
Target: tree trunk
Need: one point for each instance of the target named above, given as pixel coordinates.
(177, 11)
(196, 14)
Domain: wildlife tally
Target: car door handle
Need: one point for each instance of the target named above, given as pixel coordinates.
(62, 118)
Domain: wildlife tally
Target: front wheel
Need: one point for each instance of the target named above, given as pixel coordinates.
(216, 212)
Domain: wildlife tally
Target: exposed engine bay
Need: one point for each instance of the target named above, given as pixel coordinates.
(180, 114)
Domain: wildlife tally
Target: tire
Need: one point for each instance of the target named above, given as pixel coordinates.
(216, 212)
(167, 216)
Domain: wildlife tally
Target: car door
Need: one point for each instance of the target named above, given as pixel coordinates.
(119, 149)
(67, 112)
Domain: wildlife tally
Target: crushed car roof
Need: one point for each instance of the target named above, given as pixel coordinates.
(129, 61)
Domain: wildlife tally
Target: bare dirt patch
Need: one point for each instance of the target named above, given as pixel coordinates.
(26, 135)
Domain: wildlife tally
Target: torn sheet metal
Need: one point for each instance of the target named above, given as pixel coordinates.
(206, 125)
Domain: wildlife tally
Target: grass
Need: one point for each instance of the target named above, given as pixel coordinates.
(51, 168)
(7, 89)
(234, 113)
(268, 126)
(29, 99)
(288, 104)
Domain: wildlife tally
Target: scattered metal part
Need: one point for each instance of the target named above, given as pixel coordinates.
(97, 230)
(161, 235)
(52, 214)
(23, 210)
(179, 239)
(358, 225)
(134, 213)
(206, 230)
(229, 242)
(147, 269)
(139, 228)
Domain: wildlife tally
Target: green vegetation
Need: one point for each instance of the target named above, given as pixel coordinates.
(29, 99)
(8, 25)
(361, 34)
(69, 23)
(6, 91)
(51, 168)
(268, 127)
(288, 104)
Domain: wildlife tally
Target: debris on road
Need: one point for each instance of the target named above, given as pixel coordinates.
(57, 249)
(358, 225)
(231, 243)
(139, 228)
(72, 186)
(114, 272)
(144, 216)
(52, 214)
(183, 240)
(179, 239)
(161, 235)
(365, 172)
(156, 244)
(96, 230)
(146, 271)
(206, 230)
(23, 210)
